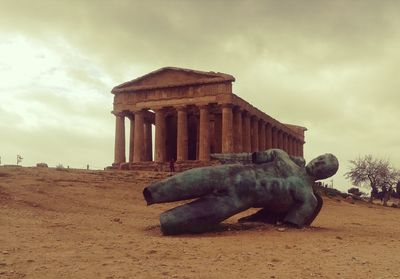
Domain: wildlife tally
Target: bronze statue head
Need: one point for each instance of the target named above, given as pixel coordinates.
(323, 166)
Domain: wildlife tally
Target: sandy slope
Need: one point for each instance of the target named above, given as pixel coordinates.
(94, 224)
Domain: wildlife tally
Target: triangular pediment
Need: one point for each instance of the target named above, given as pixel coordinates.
(172, 77)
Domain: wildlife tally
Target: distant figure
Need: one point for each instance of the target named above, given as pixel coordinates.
(384, 192)
(398, 189)
(387, 194)
(19, 159)
(172, 165)
(87, 166)
(375, 194)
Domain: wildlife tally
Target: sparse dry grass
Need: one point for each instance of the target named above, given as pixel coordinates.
(95, 224)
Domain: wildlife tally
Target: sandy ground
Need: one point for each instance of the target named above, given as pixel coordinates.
(95, 224)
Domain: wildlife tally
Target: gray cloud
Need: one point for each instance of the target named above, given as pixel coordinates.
(187, 32)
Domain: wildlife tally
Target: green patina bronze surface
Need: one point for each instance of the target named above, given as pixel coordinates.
(279, 184)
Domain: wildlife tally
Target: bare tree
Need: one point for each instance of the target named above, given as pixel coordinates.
(379, 174)
(19, 159)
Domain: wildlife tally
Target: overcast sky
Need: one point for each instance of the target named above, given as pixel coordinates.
(331, 66)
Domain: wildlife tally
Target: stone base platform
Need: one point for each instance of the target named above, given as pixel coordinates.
(155, 166)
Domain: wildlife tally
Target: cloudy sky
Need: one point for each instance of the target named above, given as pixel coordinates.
(332, 66)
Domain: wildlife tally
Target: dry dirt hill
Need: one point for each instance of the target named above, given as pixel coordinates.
(95, 224)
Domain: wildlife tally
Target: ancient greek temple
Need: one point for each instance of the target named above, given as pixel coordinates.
(194, 114)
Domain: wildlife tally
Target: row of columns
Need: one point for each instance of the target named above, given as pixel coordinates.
(140, 138)
(254, 134)
(241, 132)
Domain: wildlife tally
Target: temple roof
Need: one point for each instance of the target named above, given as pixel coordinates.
(172, 77)
(299, 130)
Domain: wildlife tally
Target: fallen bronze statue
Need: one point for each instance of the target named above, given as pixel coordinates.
(279, 184)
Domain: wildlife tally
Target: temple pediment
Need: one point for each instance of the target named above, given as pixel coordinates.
(172, 77)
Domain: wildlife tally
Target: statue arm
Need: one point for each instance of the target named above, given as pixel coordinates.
(304, 208)
(267, 156)
(298, 161)
(232, 158)
(259, 157)
(317, 209)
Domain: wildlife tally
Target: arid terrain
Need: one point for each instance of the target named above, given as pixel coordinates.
(95, 224)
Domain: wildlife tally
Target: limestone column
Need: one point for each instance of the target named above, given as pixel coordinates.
(293, 152)
(218, 132)
(182, 134)
(274, 137)
(280, 139)
(227, 125)
(119, 147)
(294, 144)
(254, 133)
(289, 145)
(204, 137)
(160, 138)
(148, 146)
(238, 127)
(246, 139)
(285, 142)
(296, 148)
(301, 149)
(131, 137)
(261, 135)
(268, 136)
(138, 150)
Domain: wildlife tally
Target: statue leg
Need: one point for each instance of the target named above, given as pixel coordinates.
(198, 182)
(190, 184)
(264, 216)
(201, 215)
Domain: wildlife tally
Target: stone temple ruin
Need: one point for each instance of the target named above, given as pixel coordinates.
(195, 114)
